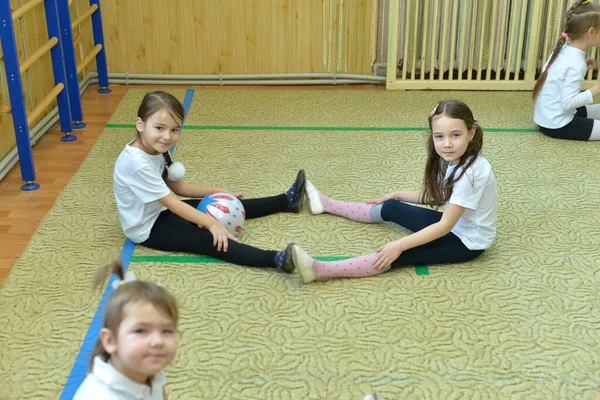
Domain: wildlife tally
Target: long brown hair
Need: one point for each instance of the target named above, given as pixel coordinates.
(578, 19)
(128, 293)
(156, 101)
(436, 191)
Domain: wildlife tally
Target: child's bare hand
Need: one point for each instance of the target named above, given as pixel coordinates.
(381, 200)
(221, 237)
(388, 253)
(590, 62)
(239, 195)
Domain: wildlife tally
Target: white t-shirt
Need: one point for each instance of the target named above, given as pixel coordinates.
(476, 191)
(106, 383)
(561, 93)
(138, 185)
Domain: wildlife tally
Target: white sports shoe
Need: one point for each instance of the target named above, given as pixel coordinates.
(304, 263)
(373, 396)
(315, 205)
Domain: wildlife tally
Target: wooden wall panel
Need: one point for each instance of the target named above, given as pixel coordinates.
(359, 36)
(233, 37)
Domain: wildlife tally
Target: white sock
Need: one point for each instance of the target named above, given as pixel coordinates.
(593, 111)
(595, 130)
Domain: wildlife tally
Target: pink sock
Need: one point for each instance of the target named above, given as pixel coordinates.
(360, 212)
(357, 267)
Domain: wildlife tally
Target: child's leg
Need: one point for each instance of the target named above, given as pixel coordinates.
(411, 217)
(311, 269)
(173, 233)
(319, 203)
(447, 249)
(591, 111)
(580, 128)
(595, 135)
(290, 201)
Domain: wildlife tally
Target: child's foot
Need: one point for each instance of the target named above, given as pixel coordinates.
(295, 193)
(373, 396)
(304, 262)
(315, 205)
(284, 260)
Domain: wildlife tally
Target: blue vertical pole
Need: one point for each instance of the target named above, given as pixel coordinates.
(66, 39)
(58, 67)
(15, 91)
(101, 56)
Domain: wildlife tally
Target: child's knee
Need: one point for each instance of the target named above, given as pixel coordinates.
(375, 213)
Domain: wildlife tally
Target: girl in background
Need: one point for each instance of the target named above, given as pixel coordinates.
(562, 110)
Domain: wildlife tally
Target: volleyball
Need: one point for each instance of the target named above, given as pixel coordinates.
(225, 208)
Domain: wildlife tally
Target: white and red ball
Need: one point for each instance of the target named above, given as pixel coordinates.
(225, 208)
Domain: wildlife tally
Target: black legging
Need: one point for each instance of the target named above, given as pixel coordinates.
(580, 127)
(445, 250)
(170, 232)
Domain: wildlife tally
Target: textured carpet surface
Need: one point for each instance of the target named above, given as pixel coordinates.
(519, 322)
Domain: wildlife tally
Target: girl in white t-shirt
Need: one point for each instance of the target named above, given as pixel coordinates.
(145, 177)
(456, 176)
(137, 341)
(562, 110)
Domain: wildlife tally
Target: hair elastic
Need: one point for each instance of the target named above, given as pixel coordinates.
(129, 277)
(432, 113)
(175, 169)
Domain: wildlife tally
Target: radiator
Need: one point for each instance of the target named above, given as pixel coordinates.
(470, 41)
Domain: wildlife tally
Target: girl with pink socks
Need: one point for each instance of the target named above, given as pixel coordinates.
(456, 177)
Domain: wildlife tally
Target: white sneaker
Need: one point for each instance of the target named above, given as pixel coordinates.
(373, 396)
(315, 205)
(304, 263)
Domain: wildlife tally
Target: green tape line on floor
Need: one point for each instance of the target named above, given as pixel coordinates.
(420, 269)
(317, 128)
(207, 259)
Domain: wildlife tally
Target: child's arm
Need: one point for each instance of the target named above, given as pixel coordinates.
(572, 96)
(186, 189)
(595, 89)
(407, 197)
(392, 250)
(187, 212)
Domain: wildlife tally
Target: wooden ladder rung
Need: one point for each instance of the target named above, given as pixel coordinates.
(88, 59)
(46, 47)
(77, 39)
(39, 109)
(19, 12)
(84, 16)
